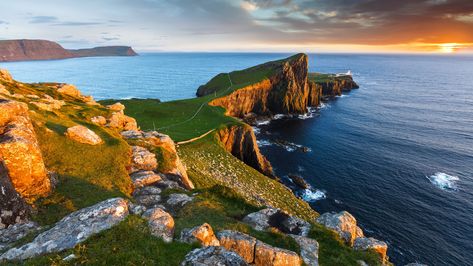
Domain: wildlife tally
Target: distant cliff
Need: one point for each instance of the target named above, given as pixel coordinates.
(25, 50)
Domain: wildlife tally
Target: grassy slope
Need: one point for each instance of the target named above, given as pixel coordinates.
(323, 78)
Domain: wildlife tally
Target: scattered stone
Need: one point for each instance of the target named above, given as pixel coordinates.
(144, 191)
(342, 223)
(260, 220)
(32, 96)
(122, 122)
(99, 120)
(73, 229)
(309, 249)
(161, 224)
(364, 243)
(49, 104)
(70, 257)
(13, 233)
(178, 200)
(150, 201)
(168, 184)
(270, 217)
(202, 234)
(142, 159)
(144, 178)
(212, 255)
(269, 255)
(70, 90)
(116, 107)
(84, 135)
(241, 243)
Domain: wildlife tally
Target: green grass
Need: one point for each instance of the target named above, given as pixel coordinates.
(323, 77)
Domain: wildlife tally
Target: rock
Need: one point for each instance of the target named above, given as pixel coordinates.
(212, 255)
(160, 223)
(268, 255)
(73, 229)
(70, 90)
(298, 181)
(342, 223)
(84, 135)
(144, 178)
(136, 209)
(144, 191)
(309, 249)
(150, 201)
(13, 208)
(178, 200)
(32, 96)
(70, 257)
(202, 234)
(361, 263)
(242, 244)
(4, 91)
(122, 122)
(269, 217)
(142, 159)
(364, 243)
(49, 104)
(18, 96)
(20, 153)
(359, 232)
(168, 184)
(99, 120)
(5, 75)
(116, 107)
(13, 233)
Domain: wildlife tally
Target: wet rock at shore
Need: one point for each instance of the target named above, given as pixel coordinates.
(298, 181)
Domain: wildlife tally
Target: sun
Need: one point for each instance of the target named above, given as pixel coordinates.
(448, 48)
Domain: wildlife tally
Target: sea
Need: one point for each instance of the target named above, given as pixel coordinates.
(397, 153)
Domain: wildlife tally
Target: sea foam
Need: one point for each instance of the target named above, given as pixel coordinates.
(444, 181)
(311, 195)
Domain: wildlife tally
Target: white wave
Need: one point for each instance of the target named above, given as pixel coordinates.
(300, 168)
(324, 105)
(262, 143)
(444, 181)
(279, 116)
(311, 195)
(263, 122)
(256, 130)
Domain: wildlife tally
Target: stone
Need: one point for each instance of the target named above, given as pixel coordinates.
(309, 249)
(202, 234)
(4, 91)
(122, 122)
(142, 159)
(260, 220)
(70, 90)
(136, 209)
(168, 184)
(148, 196)
(269, 255)
(240, 243)
(32, 96)
(144, 178)
(5, 75)
(178, 200)
(215, 256)
(83, 135)
(343, 223)
(99, 120)
(116, 107)
(269, 217)
(49, 104)
(160, 223)
(359, 232)
(73, 229)
(20, 153)
(13, 233)
(70, 257)
(369, 243)
(144, 191)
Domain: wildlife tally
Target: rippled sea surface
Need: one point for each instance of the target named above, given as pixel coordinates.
(396, 153)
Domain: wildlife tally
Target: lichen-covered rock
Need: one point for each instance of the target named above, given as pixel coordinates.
(268, 255)
(369, 243)
(72, 229)
(202, 234)
(342, 223)
(122, 122)
(20, 152)
(309, 249)
(116, 107)
(178, 200)
(242, 244)
(13, 233)
(99, 120)
(148, 196)
(136, 209)
(4, 91)
(83, 135)
(260, 220)
(215, 256)
(269, 217)
(13, 208)
(144, 178)
(160, 223)
(70, 90)
(142, 159)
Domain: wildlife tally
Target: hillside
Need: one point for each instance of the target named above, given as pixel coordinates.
(25, 50)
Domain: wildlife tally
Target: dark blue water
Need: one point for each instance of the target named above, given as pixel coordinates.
(397, 153)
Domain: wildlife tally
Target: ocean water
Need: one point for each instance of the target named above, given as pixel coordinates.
(396, 153)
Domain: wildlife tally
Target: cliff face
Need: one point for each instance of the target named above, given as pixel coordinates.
(336, 86)
(23, 50)
(241, 142)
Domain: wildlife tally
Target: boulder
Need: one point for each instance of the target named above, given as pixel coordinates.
(240, 243)
(142, 159)
(99, 120)
(309, 249)
(20, 153)
(73, 229)
(148, 196)
(260, 220)
(178, 200)
(4, 91)
(13, 233)
(212, 255)
(202, 234)
(160, 223)
(144, 178)
(136, 209)
(269, 217)
(122, 122)
(343, 223)
(70, 90)
(168, 184)
(5, 75)
(116, 107)
(365, 243)
(268, 255)
(84, 135)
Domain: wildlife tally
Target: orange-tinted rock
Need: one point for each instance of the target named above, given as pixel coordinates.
(70, 90)
(99, 120)
(266, 255)
(5, 75)
(116, 107)
(203, 234)
(83, 135)
(122, 122)
(240, 243)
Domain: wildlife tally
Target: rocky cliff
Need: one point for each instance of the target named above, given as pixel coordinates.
(241, 142)
(24, 50)
(329, 85)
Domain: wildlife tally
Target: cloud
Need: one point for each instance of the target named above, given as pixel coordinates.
(110, 38)
(42, 19)
(4, 22)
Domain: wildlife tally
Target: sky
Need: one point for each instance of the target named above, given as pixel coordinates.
(426, 26)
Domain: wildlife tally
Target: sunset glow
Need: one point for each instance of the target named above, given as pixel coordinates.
(448, 47)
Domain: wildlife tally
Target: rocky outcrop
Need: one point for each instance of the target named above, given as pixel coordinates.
(13, 208)
(343, 223)
(83, 135)
(99, 120)
(202, 234)
(365, 243)
(5, 75)
(160, 223)
(72, 229)
(71, 91)
(144, 178)
(241, 142)
(20, 153)
(269, 217)
(122, 122)
(116, 107)
(309, 249)
(149, 197)
(142, 159)
(22, 50)
(241, 243)
(16, 232)
(336, 86)
(212, 255)
(268, 255)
